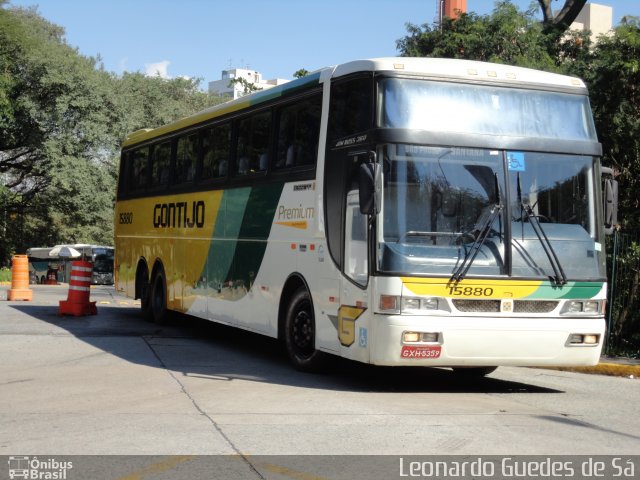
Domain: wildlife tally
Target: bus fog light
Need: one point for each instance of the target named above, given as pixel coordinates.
(576, 339)
(591, 339)
(430, 337)
(410, 337)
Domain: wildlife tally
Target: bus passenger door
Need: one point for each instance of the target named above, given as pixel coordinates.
(353, 331)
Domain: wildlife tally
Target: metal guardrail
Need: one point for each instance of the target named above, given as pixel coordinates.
(623, 306)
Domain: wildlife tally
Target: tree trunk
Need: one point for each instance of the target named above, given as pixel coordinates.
(557, 24)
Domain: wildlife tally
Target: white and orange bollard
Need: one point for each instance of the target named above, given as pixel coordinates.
(77, 302)
(20, 279)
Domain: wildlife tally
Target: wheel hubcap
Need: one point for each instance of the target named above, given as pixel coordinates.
(302, 332)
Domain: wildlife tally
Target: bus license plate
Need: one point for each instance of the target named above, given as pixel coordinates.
(414, 351)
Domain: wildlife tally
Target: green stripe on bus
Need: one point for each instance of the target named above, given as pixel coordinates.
(225, 236)
(240, 237)
(572, 290)
(254, 233)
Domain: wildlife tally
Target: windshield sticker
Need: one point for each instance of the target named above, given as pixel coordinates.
(516, 161)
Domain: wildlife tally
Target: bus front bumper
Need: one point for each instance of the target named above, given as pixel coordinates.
(485, 341)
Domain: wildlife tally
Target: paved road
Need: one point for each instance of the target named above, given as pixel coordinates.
(114, 384)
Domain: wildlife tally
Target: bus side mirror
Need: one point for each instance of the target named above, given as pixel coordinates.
(610, 197)
(370, 188)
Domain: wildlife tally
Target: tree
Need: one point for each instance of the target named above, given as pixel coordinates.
(613, 77)
(303, 72)
(505, 36)
(557, 24)
(62, 121)
(247, 86)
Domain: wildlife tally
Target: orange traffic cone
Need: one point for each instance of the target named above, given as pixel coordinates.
(77, 302)
(20, 279)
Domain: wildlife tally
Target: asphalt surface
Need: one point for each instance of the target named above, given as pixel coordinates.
(112, 384)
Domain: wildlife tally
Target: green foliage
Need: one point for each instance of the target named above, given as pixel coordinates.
(247, 86)
(613, 76)
(62, 121)
(506, 36)
(5, 274)
(303, 72)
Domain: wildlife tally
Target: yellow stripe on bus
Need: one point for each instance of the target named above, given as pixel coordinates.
(440, 287)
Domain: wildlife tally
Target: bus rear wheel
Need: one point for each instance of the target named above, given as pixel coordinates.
(300, 332)
(158, 299)
(143, 289)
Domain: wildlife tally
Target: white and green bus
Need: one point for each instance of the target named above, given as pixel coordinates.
(394, 211)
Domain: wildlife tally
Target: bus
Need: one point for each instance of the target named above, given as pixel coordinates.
(46, 262)
(395, 211)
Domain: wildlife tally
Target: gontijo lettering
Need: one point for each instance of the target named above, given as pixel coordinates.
(179, 215)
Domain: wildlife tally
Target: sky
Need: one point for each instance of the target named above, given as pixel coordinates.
(200, 38)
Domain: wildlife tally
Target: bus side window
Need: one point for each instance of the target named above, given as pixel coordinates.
(298, 131)
(138, 170)
(216, 149)
(253, 143)
(351, 107)
(160, 165)
(186, 156)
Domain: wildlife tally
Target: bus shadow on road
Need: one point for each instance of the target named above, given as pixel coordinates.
(197, 348)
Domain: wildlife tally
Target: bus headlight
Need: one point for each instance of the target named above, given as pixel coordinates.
(588, 307)
(412, 305)
(592, 306)
(423, 304)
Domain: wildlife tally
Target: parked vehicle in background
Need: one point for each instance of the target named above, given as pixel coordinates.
(47, 261)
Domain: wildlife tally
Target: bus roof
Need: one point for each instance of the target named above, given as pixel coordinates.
(472, 71)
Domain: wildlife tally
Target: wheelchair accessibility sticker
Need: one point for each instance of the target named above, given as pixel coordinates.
(515, 161)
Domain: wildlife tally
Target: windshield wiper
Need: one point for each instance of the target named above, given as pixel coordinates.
(559, 276)
(480, 239)
(482, 235)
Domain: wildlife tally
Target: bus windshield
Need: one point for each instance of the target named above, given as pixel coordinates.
(439, 201)
(485, 110)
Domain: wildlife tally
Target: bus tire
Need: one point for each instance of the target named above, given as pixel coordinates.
(145, 302)
(158, 298)
(143, 290)
(299, 334)
(473, 372)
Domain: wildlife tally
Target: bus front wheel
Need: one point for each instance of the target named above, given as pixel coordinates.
(300, 333)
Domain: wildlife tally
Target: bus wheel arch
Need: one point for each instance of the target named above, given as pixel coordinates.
(296, 326)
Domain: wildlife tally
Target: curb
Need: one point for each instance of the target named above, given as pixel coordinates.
(606, 368)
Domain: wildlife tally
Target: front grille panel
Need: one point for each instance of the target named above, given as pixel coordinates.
(493, 306)
(477, 306)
